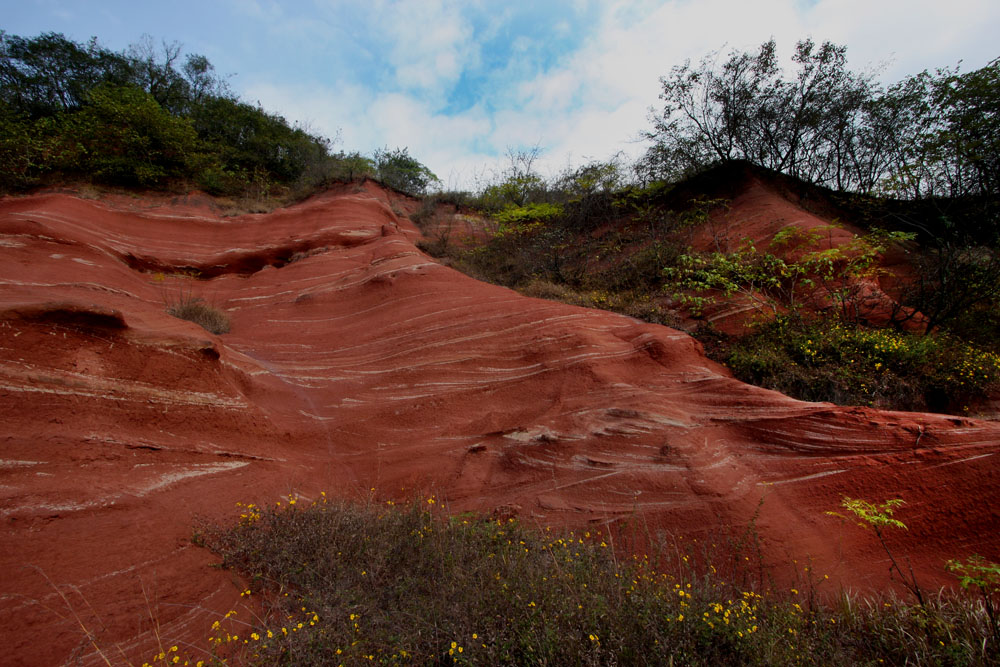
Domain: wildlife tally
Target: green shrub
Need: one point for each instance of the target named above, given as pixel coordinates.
(401, 171)
(126, 138)
(132, 119)
(355, 584)
(828, 360)
(217, 180)
(513, 219)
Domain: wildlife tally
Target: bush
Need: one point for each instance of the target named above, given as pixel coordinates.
(511, 216)
(126, 138)
(827, 360)
(353, 584)
(399, 170)
(132, 119)
(194, 309)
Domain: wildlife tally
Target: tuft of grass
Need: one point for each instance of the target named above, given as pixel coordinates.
(197, 310)
(360, 583)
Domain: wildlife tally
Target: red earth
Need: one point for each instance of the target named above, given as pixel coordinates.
(359, 366)
(755, 216)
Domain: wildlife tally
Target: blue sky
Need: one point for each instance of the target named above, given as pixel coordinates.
(461, 82)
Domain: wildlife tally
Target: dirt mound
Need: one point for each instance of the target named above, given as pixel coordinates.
(357, 365)
(758, 208)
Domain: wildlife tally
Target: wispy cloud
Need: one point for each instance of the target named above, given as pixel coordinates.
(429, 44)
(460, 81)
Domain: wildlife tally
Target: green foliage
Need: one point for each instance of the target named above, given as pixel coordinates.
(700, 211)
(603, 250)
(120, 135)
(513, 217)
(514, 191)
(776, 283)
(951, 128)
(595, 177)
(878, 517)
(353, 166)
(354, 584)
(125, 137)
(399, 170)
(517, 185)
(29, 148)
(873, 514)
(832, 361)
(48, 74)
(976, 571)
(244, 139)
(984, 576)
(142, 118)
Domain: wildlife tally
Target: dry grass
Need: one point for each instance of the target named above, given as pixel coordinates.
(197, 310)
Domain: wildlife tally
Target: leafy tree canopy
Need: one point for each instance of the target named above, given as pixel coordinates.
(148, 116)
(399, 170)
(930, 135)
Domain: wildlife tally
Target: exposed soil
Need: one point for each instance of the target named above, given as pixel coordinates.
(757, 212)
(358, 365)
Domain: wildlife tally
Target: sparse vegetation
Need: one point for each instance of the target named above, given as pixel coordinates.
(629, 250)
(197, 310)
(352, 584)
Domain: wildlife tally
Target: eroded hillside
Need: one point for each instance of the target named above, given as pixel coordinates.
(359, 366)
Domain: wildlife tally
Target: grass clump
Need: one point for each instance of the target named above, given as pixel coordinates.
(385, 584)
(197, 310)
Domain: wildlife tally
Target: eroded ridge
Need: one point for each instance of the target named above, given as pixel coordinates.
(365, 368)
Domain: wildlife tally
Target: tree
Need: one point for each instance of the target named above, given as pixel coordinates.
(127, 138)
(157, 75)
(930, 135)
(399, 170)
(594, 177)
(956, 138)
(745, 109)
(202, 81)
(142, 118)
(518, 184)
(49, 73)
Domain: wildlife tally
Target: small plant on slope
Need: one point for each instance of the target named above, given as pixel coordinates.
(878, 517)
(195, 309)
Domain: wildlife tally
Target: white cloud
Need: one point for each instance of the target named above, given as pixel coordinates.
(594, 101)
(914, 35)
(430, 43)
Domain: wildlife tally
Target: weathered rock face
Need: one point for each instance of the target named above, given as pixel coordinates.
(358, 365)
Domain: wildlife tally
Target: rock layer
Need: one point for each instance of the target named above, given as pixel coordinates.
(357, 365)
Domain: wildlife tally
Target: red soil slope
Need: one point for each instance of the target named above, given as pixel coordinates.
(756, 215)
(363, 365)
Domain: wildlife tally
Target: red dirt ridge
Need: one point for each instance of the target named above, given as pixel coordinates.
(755, 216)
(358, 365)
